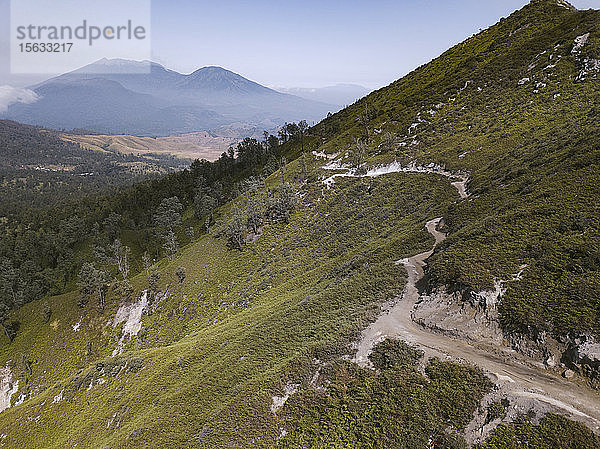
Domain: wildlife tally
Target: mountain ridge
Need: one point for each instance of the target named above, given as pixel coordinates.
(250, 339)
(160, 101)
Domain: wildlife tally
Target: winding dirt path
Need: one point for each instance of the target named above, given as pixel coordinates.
(515, 376)
(396, 167)
(519, 378)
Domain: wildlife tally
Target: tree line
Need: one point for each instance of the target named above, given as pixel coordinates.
(97, 242)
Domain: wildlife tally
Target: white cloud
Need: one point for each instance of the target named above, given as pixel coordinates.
(10, 95)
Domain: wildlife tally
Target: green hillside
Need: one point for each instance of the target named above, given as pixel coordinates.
(253, 347)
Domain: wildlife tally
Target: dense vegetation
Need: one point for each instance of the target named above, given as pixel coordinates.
(554, 432)
(43, 249)
(303, 288)
(281, 273)
(38, 169)
(397, 407)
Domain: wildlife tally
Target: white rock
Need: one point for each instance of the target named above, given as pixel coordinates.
(279, 401)
(580, 42)
(7, 387)
(131, 315)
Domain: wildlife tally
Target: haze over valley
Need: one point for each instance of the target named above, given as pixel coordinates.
(106, 97)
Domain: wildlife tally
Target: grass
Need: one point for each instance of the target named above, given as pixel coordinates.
(394, 407)
(240, 325)
(244, 324)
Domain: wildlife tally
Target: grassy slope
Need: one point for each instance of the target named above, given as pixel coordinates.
(342, 262)
(244, 323)
(184, 146)
(524, 146)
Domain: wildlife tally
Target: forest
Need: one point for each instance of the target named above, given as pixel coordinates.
(44, 250)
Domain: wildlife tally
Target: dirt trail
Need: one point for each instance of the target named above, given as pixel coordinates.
(515, 375)
(461, 186)
(395, 167)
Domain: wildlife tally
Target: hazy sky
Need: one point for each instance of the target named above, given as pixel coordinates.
(308, 43)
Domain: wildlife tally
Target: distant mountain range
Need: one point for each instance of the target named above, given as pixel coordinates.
(115, 96)
(341, 95)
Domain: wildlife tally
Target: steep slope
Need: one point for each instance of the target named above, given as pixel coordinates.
(519, 114)
(253, 348)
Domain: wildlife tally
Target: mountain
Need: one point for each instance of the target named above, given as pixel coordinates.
(106, 106)
(139, 76)
(340, 95)
(428, 276)
(211, 80)
(143, 98)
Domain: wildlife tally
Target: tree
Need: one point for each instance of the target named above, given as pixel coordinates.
(102, 255)
(204, 204)
(11, 288)
(168, 214)
(292, 130)
(70, 230)
(249, 152)
(102, 284)
(153, 278)
(166, 218)
(112, 226)
(93, 281)
(147, 262)
(359, 153)
(302, 127)
(124, 290)
(10, 328)
(387, 142)
(121, 257)
(255, 209)
(180, 272)
(85, 283)
(363, 119)
(171, 245)
(46, 312)
(283, 135)
(284, 203)
(273, 144)
(189, 232)
(282, 163)
(236, 228)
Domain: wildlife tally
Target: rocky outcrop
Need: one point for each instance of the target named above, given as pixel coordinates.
(583, 355)
(131, 316)
(473, 316)
(8, 387)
